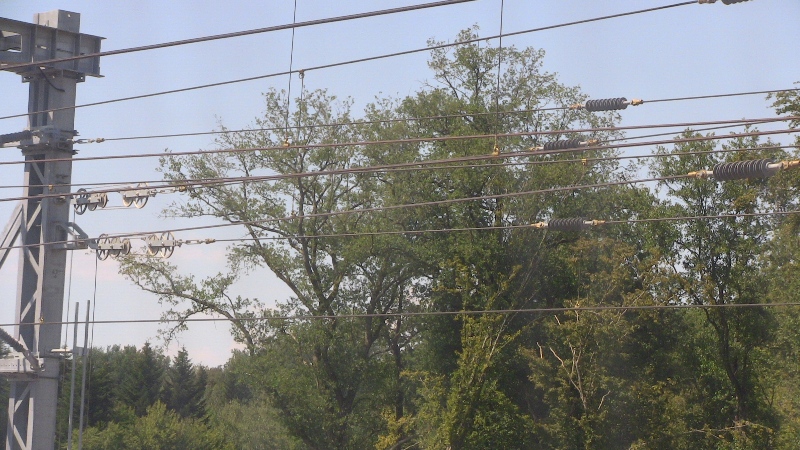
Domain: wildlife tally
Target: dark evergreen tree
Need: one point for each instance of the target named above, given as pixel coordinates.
(183, 387)
(102, 388)
(141, 384)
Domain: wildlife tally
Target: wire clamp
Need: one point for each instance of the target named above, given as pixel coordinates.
(701, 174)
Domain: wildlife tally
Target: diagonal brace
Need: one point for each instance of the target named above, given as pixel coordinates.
(11, 233)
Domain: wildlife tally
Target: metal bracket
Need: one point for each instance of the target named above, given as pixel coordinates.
(17, 366)
(55, 35)
(17, 362)
(80, 241)
(47, 137)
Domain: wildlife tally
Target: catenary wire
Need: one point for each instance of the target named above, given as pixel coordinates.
(439, 203)
(126, 184)
(503, 227)
(497, 86)
(237, 34)
(371, 122)
(433, 139)
(343, 63)
(177, 183)
(747, 122)
(415, 166)
(236, 180)
(375, 209)
(544, 310)
(291, 62)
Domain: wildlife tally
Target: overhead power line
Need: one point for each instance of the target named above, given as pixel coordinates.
(120, 238)
(493, 227)
(544, 310)
(734, 124)
(261, 222)
(165, 244)
(403, 120)
(440, 164)
(180, 185)
(352, 61)
(445, 138)
(237, 34)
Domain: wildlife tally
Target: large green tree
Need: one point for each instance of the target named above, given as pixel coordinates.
(355, 248)
(184, 387)
(467, 369)
(719, 261)
(333, 377)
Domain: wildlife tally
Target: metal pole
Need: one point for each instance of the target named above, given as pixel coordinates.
(33, 396)
(83, 377)
(72, 381)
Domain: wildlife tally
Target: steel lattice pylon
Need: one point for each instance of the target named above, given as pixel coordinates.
(42, 224)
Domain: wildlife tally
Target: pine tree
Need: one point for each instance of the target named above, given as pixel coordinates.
(184, 386)
(141, 384)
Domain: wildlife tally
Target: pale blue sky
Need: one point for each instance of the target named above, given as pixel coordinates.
(684, 51)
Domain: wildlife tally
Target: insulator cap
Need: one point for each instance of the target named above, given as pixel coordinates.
(606, 104)
(562, 144)
(739, 170)
(13, 343)
(570, 224)
(731, 2)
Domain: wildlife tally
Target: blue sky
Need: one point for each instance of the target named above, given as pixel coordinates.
(684, 51)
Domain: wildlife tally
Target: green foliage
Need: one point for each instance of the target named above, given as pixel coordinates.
(184, 386)
(158, 429)
(142, 381)
(638, 378)
(721, 263)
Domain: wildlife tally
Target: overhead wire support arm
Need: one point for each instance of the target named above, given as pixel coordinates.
(14, 139)
(21, 350)
(94, 54)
